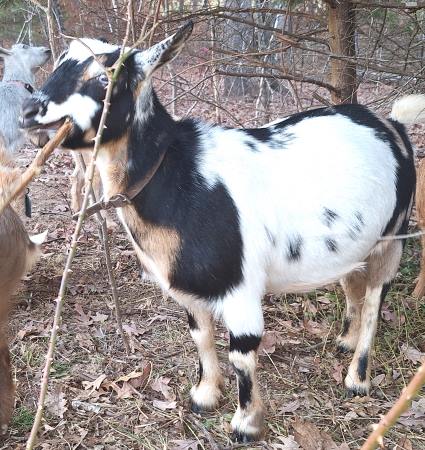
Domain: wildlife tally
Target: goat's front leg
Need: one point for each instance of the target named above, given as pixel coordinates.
(205, 395)
(245, 324)
(7, 389)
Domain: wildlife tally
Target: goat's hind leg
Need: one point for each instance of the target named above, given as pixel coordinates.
(354, 285)
(206, 393)
(382, 266)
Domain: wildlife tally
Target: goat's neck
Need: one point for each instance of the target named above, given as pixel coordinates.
(151, 134)
(16, 70)
(127, 160)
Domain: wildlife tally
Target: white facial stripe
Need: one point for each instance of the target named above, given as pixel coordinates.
(80, 50)
(80, 107)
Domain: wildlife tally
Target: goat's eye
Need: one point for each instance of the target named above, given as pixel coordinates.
(103, 78)
(24, 46)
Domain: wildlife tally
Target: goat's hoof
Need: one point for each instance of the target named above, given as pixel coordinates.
(199, 409)
(356, 391)
(243, 437)
(342, 349)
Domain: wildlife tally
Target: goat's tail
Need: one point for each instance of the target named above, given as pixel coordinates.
(34, 249)
(409, 109)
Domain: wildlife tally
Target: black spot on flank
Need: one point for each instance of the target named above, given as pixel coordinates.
(345, 326)
(329, 216)
(252, 146)
(261, 134)
(362, 367)
(270, 237)
(244, 343)
(294, 248)
(331, 244)
(355, 229)
(244, 387)
(193, 325)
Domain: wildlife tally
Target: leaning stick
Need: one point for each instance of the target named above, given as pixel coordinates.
(402, 404)
(105, 243)
(36, 166)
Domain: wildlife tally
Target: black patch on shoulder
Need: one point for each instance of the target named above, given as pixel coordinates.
(193, 325)
(261, 134)
(209, 261)
(331, 244)
(244, 387)
(294, 248)
(244, 343)
(345, 326)
(329, 217)
(362, 367)
(252, 146)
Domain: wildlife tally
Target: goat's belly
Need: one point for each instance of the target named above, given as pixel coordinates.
(318, 263)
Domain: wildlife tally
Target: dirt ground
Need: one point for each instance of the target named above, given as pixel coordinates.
(102, 398)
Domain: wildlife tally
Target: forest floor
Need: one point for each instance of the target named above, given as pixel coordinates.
(102, 399)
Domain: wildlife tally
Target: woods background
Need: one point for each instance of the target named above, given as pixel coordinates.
(247, 63)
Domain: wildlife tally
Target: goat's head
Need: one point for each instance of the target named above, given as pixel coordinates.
(77, 87)
(25, 56)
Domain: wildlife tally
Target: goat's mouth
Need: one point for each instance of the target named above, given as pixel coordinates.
(35, 126)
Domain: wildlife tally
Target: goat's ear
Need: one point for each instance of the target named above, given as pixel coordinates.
(4, 52)
(154, 57)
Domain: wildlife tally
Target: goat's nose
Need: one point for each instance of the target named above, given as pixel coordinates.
(30, 109)
(48, 51)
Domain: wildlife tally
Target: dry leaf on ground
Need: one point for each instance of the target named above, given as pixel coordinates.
(311, 438)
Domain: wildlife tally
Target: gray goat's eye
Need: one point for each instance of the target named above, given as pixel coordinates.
(24, 46)
(103, 78)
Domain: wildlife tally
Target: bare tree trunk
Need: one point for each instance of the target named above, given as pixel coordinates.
(342, 28)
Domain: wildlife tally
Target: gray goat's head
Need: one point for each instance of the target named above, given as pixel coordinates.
(22, 59)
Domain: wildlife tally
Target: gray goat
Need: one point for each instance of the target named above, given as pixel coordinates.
(21, 63)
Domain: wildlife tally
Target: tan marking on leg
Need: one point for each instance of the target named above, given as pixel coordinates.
(383, 263)
(354, 285)
(205, 395)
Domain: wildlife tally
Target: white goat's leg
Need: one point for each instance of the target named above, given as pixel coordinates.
(244, 319)
(382, 267)
(205, 395)
(354, 285)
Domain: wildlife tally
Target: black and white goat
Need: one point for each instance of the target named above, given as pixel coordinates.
(230, 214)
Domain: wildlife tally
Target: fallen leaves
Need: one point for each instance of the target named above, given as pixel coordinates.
(56, 402)
(310, 437)
(412, 354)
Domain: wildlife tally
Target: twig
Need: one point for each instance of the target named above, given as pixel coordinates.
(105, 242)
(400, 406)
(212, 444)
(36, 166)
(112, 73)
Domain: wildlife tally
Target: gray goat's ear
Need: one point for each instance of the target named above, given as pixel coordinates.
(154, 57)
(4, 52)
